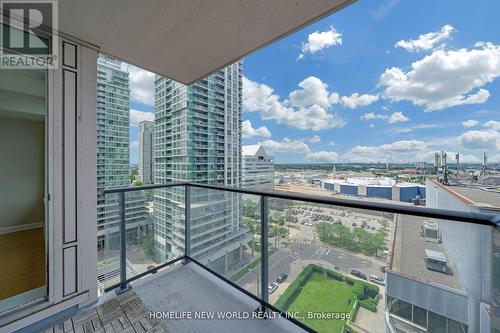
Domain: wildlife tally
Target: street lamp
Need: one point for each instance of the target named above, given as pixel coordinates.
(257, 276)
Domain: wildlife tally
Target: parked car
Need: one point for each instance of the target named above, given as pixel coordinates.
(377, 279)
(354, 224)
(372, 227)
(281, 277)
(272, 287)
(383, 269)
(358, 274)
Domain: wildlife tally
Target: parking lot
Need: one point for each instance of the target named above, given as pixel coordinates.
(309, 216)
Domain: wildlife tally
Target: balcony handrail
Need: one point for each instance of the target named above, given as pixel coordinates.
(486, 219)
(480, 218)
(113, 190)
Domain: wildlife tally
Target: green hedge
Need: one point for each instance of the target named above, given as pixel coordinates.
(362, 289)
(358, 289)
(371, 290)
(335, 275)
(349, 280)
(368, 304)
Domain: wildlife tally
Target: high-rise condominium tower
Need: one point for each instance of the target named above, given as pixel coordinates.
(146, 155)
(198, 138)
(113, 118)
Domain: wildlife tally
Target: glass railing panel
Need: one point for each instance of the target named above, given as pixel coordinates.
(154, 223)
(495, 298)
(169, 223)
(108, 241)
(225, 235)
(342, 269)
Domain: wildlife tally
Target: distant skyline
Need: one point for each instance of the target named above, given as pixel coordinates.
(375, 82)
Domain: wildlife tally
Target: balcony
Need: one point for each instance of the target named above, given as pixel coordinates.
(267, 253)
(354, 260)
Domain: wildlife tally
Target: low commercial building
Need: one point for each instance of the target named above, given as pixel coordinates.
(442, 275)
(375, 187)
(257, 167)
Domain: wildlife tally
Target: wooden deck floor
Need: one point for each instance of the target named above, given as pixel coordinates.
(126, 313)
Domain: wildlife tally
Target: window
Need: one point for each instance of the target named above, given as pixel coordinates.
(456, 327)
(437, 323)
(400, 308)
(419, 316)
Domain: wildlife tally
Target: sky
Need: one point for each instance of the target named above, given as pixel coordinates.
(380, 81)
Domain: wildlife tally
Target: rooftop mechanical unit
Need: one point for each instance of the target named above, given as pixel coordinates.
(436, 261)
(430, 231)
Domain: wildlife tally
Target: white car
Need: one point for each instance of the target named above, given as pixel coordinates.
(272, 287)
(377, 279)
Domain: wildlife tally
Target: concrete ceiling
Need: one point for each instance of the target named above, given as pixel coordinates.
(187, 39)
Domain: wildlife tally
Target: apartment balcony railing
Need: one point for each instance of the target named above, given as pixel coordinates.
(328, 247)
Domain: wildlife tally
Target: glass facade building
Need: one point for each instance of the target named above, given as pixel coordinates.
(113, 121)
(198, 138)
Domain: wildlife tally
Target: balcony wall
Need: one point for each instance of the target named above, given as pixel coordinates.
(70, 202)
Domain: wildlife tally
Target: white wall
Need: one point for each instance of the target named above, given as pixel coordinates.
(23, 110)
(468, 246)
(22, 172)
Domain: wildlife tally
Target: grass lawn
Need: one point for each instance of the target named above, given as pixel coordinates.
(323, 294)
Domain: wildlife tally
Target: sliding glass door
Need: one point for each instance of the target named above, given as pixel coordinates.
(23, 151)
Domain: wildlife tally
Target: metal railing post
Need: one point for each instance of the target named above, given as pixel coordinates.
(123, 246)
(187, 220)
(264, 264)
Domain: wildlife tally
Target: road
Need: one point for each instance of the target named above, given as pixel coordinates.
(343, 259)
(278, 262)
(284, 260)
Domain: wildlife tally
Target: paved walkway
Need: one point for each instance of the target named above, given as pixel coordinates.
(126, 313)
(373, 322)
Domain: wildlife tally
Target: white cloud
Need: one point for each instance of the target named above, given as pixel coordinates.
(323, 156)
(137, 116)
(391, 119)
(315, 139)
(318, 41)
(258, 97)
(134, 144)
(248, 131)
(332, 143)
(470, 123)
(489, 139)
(286, 146)
(427, 41)
(142, 87)
(313, 91)
(493, 124)
(397, 117)
(398, 151)
(356, 100)
(445, 78)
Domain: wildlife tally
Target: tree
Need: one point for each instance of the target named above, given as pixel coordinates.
(147, 244)
(250, 209)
